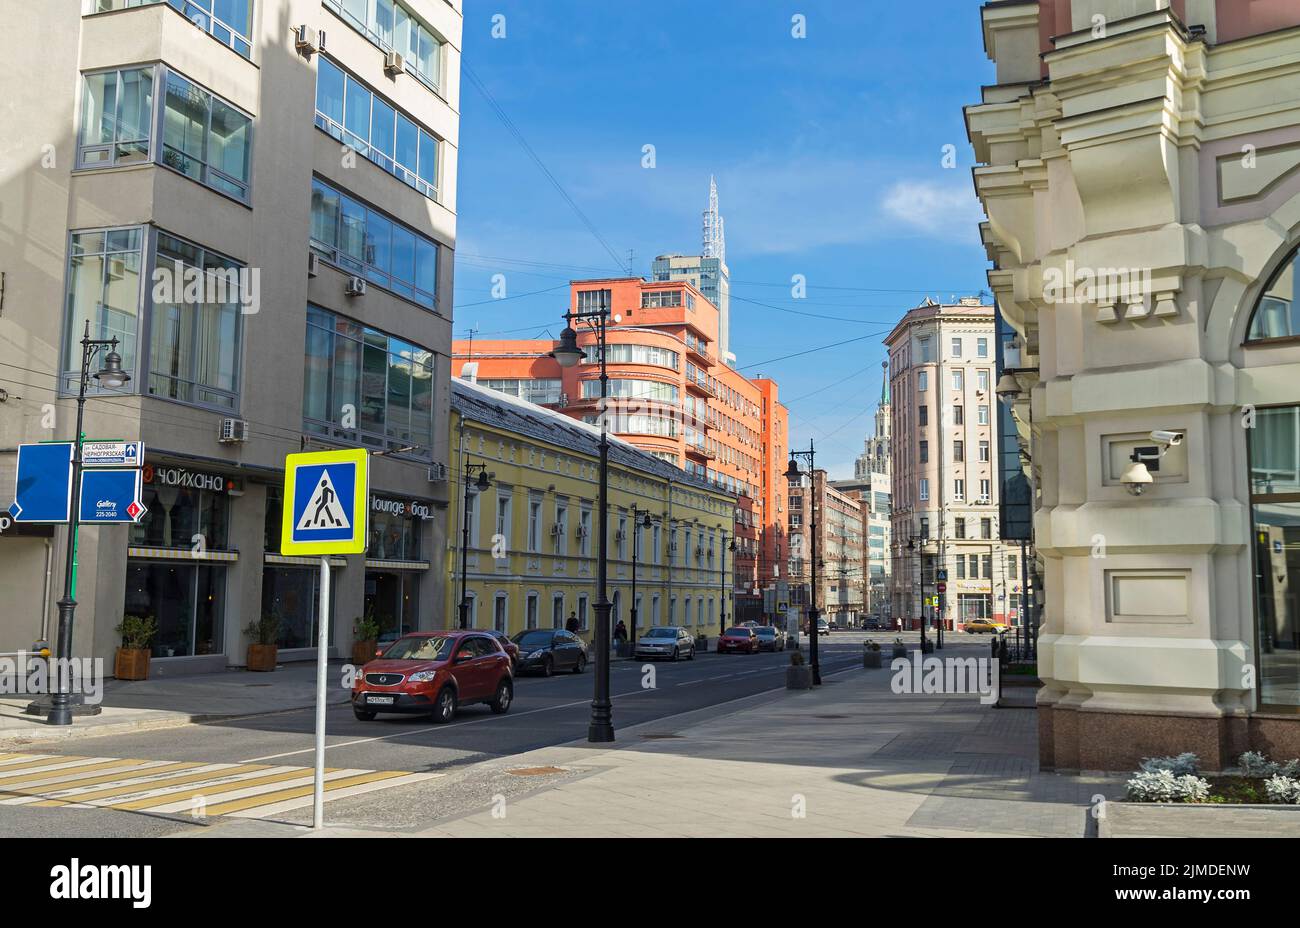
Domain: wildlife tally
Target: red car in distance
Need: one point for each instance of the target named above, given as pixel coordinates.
(434, 674)
(739, 638)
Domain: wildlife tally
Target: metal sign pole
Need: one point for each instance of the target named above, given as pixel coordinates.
(322, 643)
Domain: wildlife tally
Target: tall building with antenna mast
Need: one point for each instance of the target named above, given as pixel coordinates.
(707, 271)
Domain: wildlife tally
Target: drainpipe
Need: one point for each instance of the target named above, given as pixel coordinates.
(45, 602)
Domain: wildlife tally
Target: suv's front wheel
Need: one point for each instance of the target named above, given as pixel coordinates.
(444, 708)
(505, 695)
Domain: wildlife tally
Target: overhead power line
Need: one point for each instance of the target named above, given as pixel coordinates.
(528, 150)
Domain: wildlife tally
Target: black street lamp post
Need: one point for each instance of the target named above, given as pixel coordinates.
(640, 519)
(568, 354)
(792, 473)
(722, 583)
(111, 376)
(472, 489)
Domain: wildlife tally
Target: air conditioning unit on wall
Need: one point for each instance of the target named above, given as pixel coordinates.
(308, 41)
(233, 431)
(356, 286)
(394, 63)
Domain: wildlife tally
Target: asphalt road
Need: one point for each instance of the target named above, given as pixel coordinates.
(545, 712)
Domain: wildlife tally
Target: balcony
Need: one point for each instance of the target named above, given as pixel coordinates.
(700, 386)
(699, 452)
(695, 349)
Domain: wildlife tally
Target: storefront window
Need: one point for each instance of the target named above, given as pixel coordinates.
(392, 600)
(394, 532)
(187, 510)
(288, 590)
(187, 600)
(1275, 499)
(181, 517)
(293, 593)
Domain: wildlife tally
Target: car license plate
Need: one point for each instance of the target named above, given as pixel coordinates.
(379, 700)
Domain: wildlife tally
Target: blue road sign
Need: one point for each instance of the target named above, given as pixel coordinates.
(110, 496)
(325, 502)
(43, 489)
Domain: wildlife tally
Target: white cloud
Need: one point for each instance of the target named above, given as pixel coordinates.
(942, 210)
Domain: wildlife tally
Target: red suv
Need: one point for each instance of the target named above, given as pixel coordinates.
(434, 673)
(739, 638)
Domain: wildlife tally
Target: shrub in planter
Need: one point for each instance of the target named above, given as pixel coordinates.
(1186, 764)
(1283, 789)
(870, 654)
(900, 649)
(365, 638)
(798, 676)
(132, 659)
(263, 634)
(1254, 764)
(1164, 786)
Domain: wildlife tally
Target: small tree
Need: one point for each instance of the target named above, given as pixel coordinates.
(265, 630)
(137, 631)
(366, 628)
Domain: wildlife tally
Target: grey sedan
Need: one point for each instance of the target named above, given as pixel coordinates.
(770, 638)
(665, 641)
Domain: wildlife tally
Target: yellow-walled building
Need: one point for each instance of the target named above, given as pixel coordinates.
(533, 543)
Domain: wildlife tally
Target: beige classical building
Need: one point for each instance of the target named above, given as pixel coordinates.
(839, 545)
(1139, 163)
(257, 199)
(942, 364)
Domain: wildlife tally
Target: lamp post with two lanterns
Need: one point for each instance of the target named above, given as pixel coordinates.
(111, 376)
(567, 354)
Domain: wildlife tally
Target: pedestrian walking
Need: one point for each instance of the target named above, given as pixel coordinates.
(620, 631)
(572, 625)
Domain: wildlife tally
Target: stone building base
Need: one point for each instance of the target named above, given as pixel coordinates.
(1073, 739)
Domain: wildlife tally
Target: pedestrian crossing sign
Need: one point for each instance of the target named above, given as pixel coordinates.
(325, 502)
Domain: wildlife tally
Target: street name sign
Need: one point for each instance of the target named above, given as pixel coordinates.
(325, 502)
(112, 453)
(43, 488)
(111, 495)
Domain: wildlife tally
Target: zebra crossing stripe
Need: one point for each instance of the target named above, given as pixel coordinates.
(64, 773)
(334, 792)
(116, 785)
(168, 800)
(330, 785)
(47, 761)
(163, 786)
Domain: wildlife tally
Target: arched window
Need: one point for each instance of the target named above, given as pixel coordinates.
(1277, 315)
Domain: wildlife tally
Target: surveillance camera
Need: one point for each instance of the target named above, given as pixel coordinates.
(1168, 438)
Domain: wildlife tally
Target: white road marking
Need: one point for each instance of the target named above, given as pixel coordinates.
(406, 733)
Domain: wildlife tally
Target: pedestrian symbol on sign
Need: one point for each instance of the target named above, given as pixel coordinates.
(324, 509)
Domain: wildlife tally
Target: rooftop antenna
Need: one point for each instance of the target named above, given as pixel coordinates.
(472, 331)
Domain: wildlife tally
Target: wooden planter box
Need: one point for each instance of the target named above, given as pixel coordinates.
(131, 664)
(363, 652)
(261, 657)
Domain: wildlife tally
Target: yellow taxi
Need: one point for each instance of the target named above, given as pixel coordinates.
(980, 626)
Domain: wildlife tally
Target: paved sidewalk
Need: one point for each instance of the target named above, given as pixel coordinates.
(179, 700)
(849, 759)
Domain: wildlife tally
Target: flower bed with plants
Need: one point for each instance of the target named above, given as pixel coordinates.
(1255, 781)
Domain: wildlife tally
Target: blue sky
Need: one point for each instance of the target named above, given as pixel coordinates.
(828, 151)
